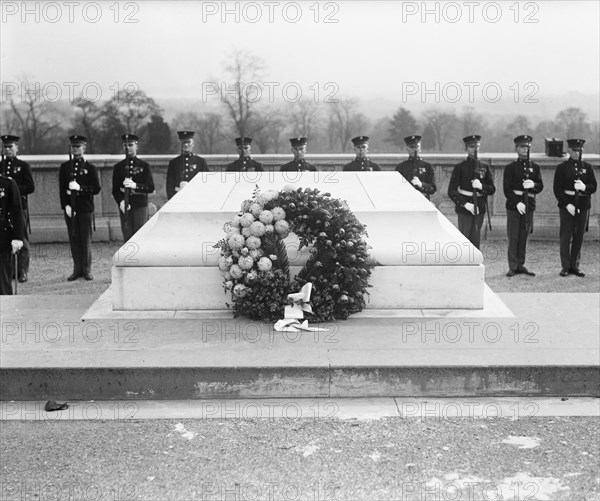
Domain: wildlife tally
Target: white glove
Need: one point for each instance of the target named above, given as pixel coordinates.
(571, 209)
(129, 183)
(69, 211)
(579, 185)
(416, 182)
(183, 184)
(74, 185)
(122, 206)
(477, 184)
(17, 245)
(521, 208)
(528, 184)
(470, 207)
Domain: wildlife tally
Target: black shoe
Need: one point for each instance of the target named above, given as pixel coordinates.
(23, 278)
(578, 272)
(525, 271)
(88, 276)
(564, 272)
(73, 276)
(511, 273)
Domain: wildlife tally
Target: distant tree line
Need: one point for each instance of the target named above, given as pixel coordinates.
(44, 126)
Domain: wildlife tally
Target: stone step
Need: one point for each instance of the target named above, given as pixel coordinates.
(49, 353)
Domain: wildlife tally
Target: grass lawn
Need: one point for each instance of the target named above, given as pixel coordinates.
(51, 264)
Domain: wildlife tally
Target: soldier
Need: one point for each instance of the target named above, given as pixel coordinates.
(78, 183)
(131, 184)
(12, 224)
(419, 173)
(574, 183)
(299, 164)
(470, 184)
(522, 182)
(20, 171)
(245, 163)
(183, 168)
(361, 162)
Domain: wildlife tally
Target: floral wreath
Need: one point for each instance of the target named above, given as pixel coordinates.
(255, 264)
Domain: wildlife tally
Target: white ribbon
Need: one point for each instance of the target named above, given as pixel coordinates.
(292, 325)
(292, 314)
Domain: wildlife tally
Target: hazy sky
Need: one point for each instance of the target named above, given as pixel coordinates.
(375, 49)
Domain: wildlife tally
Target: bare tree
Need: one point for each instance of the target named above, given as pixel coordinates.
(208, 126)
(441, 124)
(345, 121)
(87, 121)
(269, 127)
(472, 122)
(34, 119)
(303, 117)
(241, 93)
(574, 123)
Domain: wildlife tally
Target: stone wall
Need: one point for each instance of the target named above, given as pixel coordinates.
(48, 224)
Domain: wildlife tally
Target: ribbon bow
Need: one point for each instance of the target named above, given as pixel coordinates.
(301, 302)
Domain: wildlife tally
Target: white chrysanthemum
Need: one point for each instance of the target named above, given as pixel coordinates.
(247, 219)
(264, 264)
(256, 209)
(240, 290)
(236, 242)
(282, 228)
(266, 217)
(246, 231)
(256, 254)
(257, 229)
(278, 214)
(269, 228)
(251, 277)
(235, 222)
(253, 243)
(224, 265)
(236, 272)
(245, 262)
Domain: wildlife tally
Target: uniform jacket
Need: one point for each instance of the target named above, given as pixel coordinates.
(248, 164)
(461, 178)
(183, 168)
(20, 171)
(298, 166)
(423, 170)
(564, 179)
(139, 171)
(86, 175)
(361, 164)
(12, 222)
(514, 175)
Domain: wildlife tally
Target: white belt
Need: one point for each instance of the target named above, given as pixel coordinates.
(469, 193)
(519, 192)
(572, 193)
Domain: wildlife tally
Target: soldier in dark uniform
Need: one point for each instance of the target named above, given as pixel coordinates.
(299, 164)
(20, 171)
(132, 180)
(245, 163)
(78, 183)
(419, 173)
(12, 229)
(183, 168)
(522, 182)
(470, 184)
(574, 183)
(361, 162)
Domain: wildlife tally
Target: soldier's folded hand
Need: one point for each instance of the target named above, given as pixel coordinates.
(571, 209)
(129, 183)
(477, 184)
(74, 185)
(528, 184)
(521, 208)
(183, 184)
(579, 185)
(122, 206)
(416, 182)
(17, 245)
(470, 207)
(69, 211)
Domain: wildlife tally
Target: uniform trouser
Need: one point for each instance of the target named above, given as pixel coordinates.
(6, 259)
(470, 227)
(24, 252)
(80, 238)
(517, 227)
(572, 229)
(136, 218)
